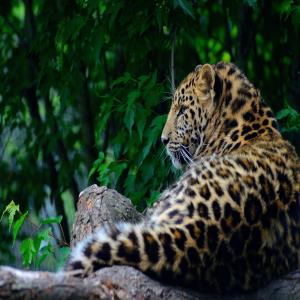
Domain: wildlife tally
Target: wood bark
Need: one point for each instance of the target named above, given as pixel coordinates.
(96, 206)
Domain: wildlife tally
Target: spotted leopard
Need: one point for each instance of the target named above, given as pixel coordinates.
(232, 221)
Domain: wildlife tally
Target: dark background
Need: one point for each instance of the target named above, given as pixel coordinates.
(85, 88)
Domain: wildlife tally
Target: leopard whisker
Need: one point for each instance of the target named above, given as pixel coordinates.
(187, 155)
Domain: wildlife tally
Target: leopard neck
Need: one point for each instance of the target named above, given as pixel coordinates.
(240, 115)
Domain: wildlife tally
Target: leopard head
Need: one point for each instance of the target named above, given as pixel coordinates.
(189, 120)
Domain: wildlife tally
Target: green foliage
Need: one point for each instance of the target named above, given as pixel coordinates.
(11, 210)
(28, 251)
(84, 92)
(40, 245)
(18, 224)
(129, 164)
(52, 220)
(291, 119)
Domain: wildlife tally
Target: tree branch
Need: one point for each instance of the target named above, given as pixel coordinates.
(96, 206)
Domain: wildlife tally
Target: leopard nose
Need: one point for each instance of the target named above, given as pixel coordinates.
(164, 140)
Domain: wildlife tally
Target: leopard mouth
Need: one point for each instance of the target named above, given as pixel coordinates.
(180, 156)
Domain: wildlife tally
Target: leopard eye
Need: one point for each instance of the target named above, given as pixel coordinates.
(181, 110)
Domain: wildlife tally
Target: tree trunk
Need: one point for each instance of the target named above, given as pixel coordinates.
(96, 206)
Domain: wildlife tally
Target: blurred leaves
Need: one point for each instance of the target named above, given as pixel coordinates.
(11, 209)
(18, 224)
(185, 5)
(28, 251)
(84, 89)
(36, 248)
(62, 257)
(291, 119)
(52, 220)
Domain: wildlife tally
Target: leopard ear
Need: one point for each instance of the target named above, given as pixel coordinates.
(207, 74)
(198, 67)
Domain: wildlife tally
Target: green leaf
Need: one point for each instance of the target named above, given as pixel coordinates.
(44, 235)
(62, 257)
(117, 146)
(226, 56)
(251, 3)
(123, 79)
(296, 18)
(18, 224)
(154, 196)
(130, 113)
(96, 164)
(154, 133)
(43, 253)
(129, 120)
(141, 121)
(283, 113)
(130, 182)
(291, 119)
(117, 7)
(52, 220)
(142, 80)
(103, 172)
(28, 251)
(116, 168)
(103, 118)
(11, 209)
(132, 96)
(186, 6)
(285, 7)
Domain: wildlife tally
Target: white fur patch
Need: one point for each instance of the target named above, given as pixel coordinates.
(100, 236)
(77, 252)
(124, 227)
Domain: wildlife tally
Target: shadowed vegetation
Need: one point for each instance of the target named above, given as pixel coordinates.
(85, 88)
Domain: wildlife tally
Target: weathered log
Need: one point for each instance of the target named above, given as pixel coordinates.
(98, 205)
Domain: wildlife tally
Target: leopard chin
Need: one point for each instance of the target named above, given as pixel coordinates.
(176, 158)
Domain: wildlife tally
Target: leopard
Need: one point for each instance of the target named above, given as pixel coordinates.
(232, 220)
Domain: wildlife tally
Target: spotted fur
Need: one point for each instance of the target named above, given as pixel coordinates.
(232, 222)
